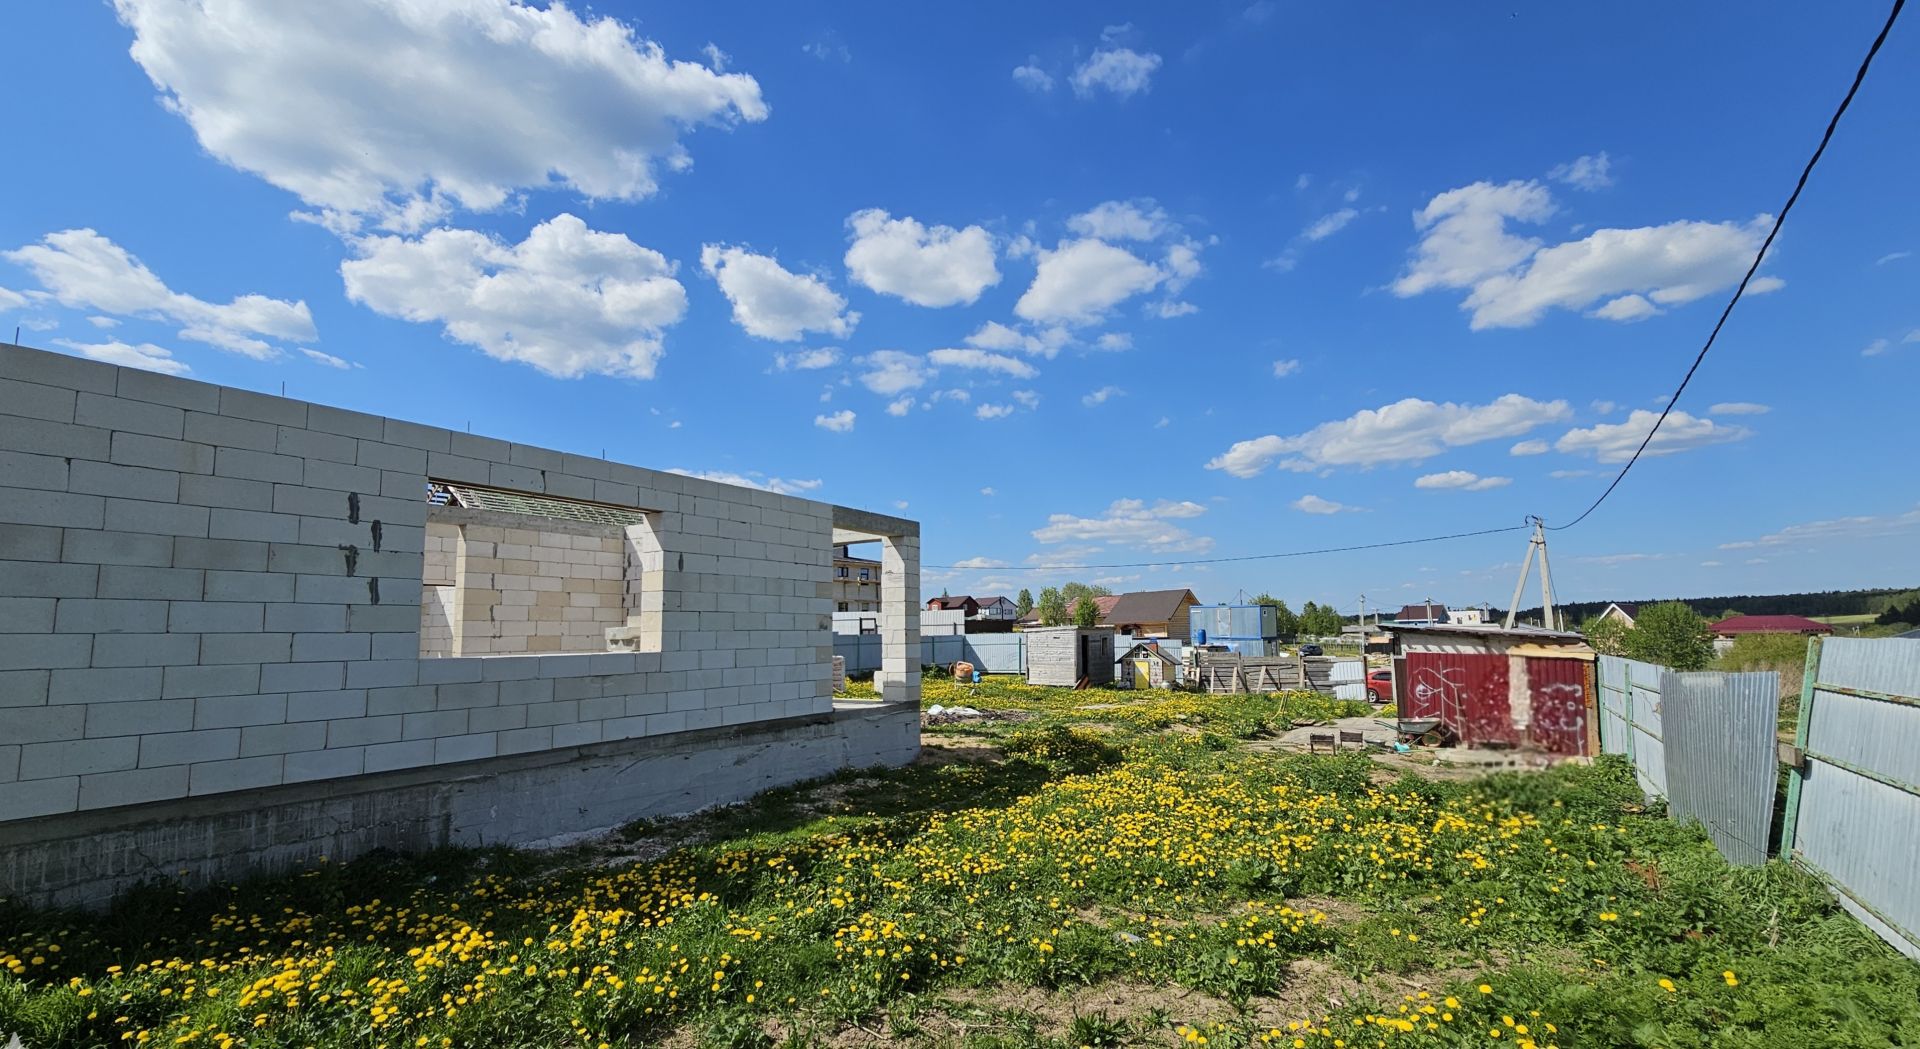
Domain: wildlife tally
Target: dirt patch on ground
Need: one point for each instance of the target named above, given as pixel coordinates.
(1338, 911)
(1313, 988)
(1051, 1012)
(936, 751)
(840, 798)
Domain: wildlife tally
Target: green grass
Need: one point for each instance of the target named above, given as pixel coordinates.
(982, 902)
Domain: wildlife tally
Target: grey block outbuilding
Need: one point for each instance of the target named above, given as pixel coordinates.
(1067, 655)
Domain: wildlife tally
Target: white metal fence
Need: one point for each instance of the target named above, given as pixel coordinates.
(1853, 801)
(1630, 719)
(1709, 744)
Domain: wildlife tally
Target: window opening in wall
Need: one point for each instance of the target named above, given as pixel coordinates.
(519, 573)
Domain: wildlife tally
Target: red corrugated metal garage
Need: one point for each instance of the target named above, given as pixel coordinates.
(1467, 692)
(1560, 690)
(1493, 687)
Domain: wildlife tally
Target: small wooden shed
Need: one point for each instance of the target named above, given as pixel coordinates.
(1147, 665)
(1068, 655)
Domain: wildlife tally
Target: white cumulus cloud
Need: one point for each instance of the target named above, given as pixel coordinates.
(1032, 77)
(1739, 408)
(777, 485)
(567, 300)
(1313, 504)
(1329, 224)
(81, 269)
(927, 266)
(1614, 274)
(397, 112)
(1407, 430)
(1464, 480)
(1615, 442)
(1102, 395)
(328, 359)
(771, 302)
(1080, 280)
(1120, 70)
(1588, 172)
(1529, 448)
(1045, 342)
(993, 411)
(1122, 220)
(891, 372)
(144, 355)
(981, 360)
(807, 360)
(1282, 369)
(1130, 522)
(839, 422)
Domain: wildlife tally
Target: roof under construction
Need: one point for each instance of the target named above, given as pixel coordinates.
(499, 500)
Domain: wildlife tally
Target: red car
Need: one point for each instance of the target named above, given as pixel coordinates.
(1379, 686)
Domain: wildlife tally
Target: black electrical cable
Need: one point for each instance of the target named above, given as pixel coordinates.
(1757, 259)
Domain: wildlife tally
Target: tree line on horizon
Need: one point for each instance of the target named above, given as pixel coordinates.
(1809, 604)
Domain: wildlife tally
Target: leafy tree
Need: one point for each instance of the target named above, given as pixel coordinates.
(1319, 620)
(1288, 623)
(1071, 593)
(1024, 603)
(1085, 612)
(1607, 635)
(1898, 616)
(1053, 607)
(1331, 621)
(1672, 635)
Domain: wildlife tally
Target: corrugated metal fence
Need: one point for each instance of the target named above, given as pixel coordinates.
(1853, 804)
(1007, 654)
(1720, 757)
(1630, 719)
(991, 653)
(1703, 741)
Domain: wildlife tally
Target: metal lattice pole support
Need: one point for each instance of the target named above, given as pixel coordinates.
(1526, 566)
(1546, 576)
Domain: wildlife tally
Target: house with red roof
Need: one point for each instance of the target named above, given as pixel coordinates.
(1730, 628)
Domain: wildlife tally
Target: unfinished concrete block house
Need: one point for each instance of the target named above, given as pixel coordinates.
(240, 632)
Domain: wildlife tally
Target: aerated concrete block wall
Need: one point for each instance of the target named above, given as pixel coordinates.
(527, 586)
(205, 590)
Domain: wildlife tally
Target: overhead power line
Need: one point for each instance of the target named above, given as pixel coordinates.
(1243, 557)
(1858, 78)
(1758, 257)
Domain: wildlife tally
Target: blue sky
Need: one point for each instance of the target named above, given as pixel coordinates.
(1068, 283)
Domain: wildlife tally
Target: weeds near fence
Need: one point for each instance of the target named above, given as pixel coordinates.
(1236, 898)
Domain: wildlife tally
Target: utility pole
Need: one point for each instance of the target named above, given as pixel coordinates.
(1536, 542)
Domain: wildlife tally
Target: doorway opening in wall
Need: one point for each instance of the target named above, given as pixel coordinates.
(520, 573)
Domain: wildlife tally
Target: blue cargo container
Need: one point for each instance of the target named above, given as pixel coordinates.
(1235, 622)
